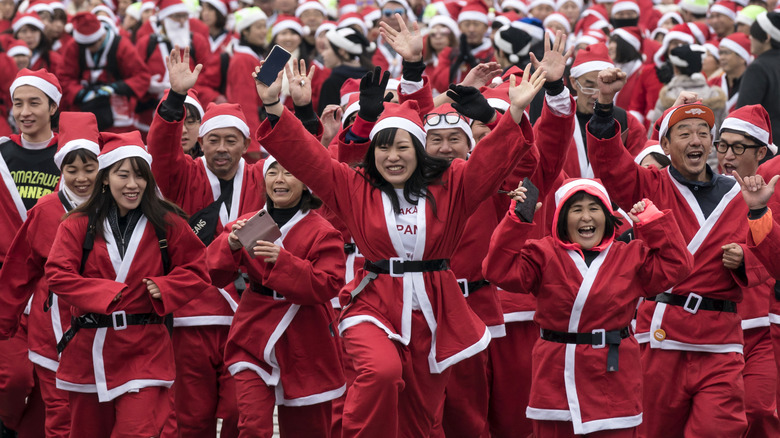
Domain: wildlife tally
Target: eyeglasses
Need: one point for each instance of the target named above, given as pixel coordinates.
(391, 12)
(451, 118)
(738, 148)
(586, 90)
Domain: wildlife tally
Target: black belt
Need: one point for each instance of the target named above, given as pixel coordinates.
(397, 267)
(350, 248)
(694, 302)
(470, 287)
(263, 290)
(117, 320)
(596, 338)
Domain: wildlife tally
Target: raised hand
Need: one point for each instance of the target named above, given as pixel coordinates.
(331, 123)
(610, 81)
(687, 97)
(482, 75)
(471, 103)
(755, 191)
(407, 44)
(555, 57)
(300, 82)
(522, 94)
(635, 210)
(269, 94)
(372, 93)
(179, 73)
(518, 195)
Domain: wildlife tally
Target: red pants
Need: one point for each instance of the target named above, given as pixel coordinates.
(338, 404)
(21, 406)
(692, 394)
(774, 330)
(256, 402)
(509, 374)
(134, 414)
(56, 401)
(204, 388)
(760, 375)
(464, 409)
(564, 429)
(394, 392)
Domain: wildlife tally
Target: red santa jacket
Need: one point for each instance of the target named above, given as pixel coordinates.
(721, 82)
(287, 341)
(367, 212)
(672, 327)
(441, 74)
(119, 61)
(113, 362)
(193, 187)
(54, 65)
(22, 276)
(767, 250)
(645, 94)
(571, 382)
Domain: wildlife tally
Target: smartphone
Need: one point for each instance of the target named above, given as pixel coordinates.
(525, 210)
(259, 227)
(274, 63)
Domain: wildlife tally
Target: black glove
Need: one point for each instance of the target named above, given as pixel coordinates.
(372, 93)
(471, 103)
(465, 52)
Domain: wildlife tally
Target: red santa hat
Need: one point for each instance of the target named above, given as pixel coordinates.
(580, 4)
(534, 3)
(170, 7)
(475, 10)
(225, 115)
(591, 37)
(557, 17)
(725, 7)
(347, 6)
(117, 147)
(700, 31)
(651, 146)
(352, 19)
(505, 19)
(665, 17)
(712, 48)
(516, 5)
(405, 116)
(446, 117)
(106, 10)
(351, 106)
(592, 58)
(681, 32)
(18, 48)
(371, 15)
(78, 130)
(40, 79)
(30, 18)
(40, 6)
(447, 22)
(632, 35)
(593, 187)
(752, 121)
(192, 99)
(348, 88)
(310, 5)
(590, 20)
(679, 113)
(448, 8)
(324, 27)
(220, 5)
(738, 43)
(87, 29)
(625, 5)
(497, 97)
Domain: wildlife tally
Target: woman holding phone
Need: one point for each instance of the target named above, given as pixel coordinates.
(124, 259)
(280, 350)
(404, 321)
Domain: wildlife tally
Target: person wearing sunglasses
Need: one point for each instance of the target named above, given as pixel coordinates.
(385, 55)
(583, 79)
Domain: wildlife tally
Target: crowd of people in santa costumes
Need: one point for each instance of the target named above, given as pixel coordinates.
(496, 219)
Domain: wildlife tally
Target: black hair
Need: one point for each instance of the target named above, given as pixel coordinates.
(152, 206)
(364, 58)
(661, 159)
(429, 54)
(429, 170)
(624, 52)
(54, 122)
(80, 153)
(191, 111)
(59, 15)
(44, 47)
(309, 201)
(611, 222)
(758, 33)
(744, 134)
(303, 49)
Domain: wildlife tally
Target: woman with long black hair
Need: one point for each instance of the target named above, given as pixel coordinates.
(29, 28)
(124, 259)
(404, 321)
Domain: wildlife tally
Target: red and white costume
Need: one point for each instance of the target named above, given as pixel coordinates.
(602, 297)
(286, 343)
(445, 330)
